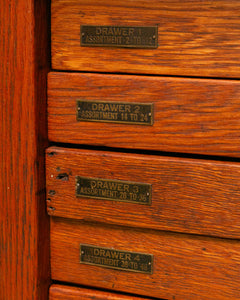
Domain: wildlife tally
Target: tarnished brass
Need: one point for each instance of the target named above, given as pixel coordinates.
(117, 190)
(119, 36)
(115, 112)
(116, 259)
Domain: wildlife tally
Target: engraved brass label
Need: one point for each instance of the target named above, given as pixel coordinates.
(115, 112)
(116, 190)
(116, 259)
(120, 36)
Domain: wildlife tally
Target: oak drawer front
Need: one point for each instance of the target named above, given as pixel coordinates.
(61, 292)
(183, 195)
(184, 267)
(200, 38)
(189, 115)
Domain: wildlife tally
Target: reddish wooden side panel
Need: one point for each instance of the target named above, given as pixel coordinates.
(195, 38)
(184, 267)
(190, 115)
(61, 292)
(24, 228)
(192, 196)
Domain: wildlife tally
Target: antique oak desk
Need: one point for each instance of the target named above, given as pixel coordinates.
(137, 111)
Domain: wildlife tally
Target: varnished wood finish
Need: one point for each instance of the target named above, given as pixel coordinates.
(24, 228)
(196, 38)
(61, 292)
(185, 267)
(193, 196)
(190, 115)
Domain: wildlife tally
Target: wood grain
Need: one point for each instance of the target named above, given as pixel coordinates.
(61, 292)
(185, 267)
(196, 38)
(24, 225)
(190, 115)
(192, 196)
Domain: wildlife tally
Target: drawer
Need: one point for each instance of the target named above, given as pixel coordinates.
(61, 292)
(188, 115)
(179, 266)
(183, 195)
(193, 38)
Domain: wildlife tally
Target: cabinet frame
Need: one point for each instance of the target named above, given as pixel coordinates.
(24, 233)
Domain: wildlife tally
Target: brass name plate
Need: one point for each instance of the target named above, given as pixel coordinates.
(116, 190)
(120, 36)
(116, 259)
(115, 112)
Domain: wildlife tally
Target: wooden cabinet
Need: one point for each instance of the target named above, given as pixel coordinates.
(141, 114)
(142, 178)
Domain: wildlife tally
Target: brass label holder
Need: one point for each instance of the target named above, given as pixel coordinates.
(145, 37)
(116, 190)
(115, 112)
(116, 259)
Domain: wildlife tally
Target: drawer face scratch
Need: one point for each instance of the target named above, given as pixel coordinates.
(116, 259)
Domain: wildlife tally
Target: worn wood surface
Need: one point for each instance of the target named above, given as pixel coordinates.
(61, 292)
(184, 267)
(193, 196)
(24, 232)
(190, 115)
(196, 38)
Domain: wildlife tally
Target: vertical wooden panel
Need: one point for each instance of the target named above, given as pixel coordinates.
(24, 232)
